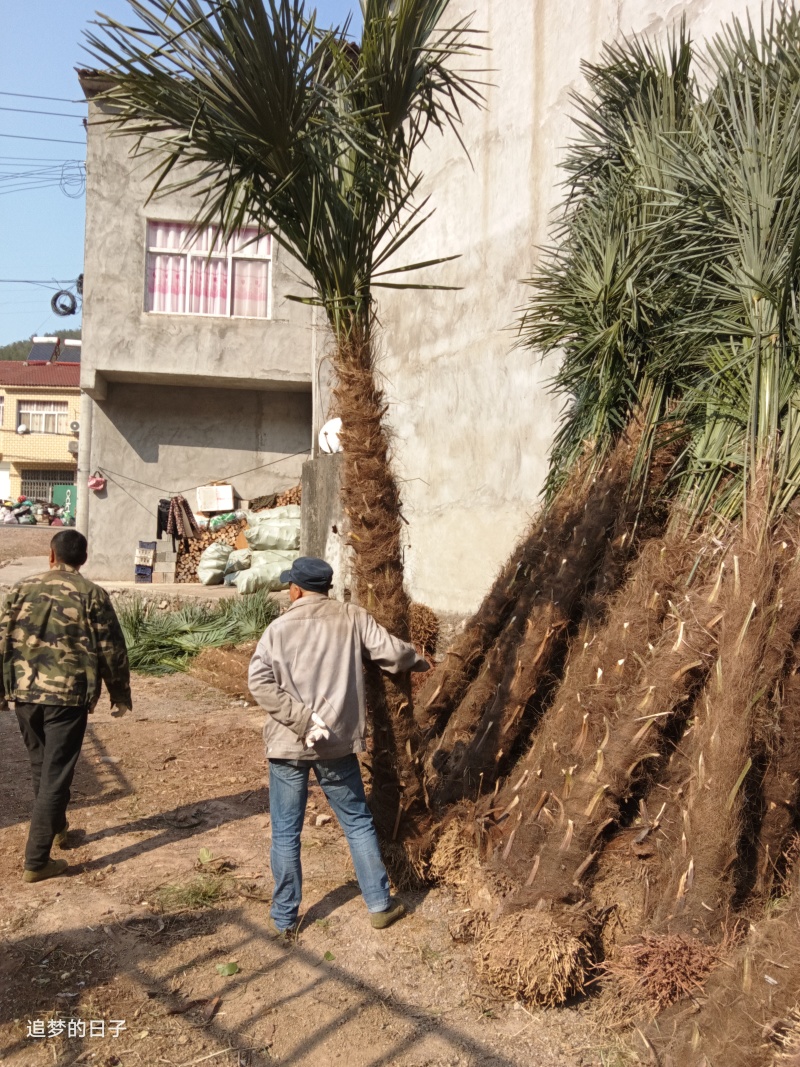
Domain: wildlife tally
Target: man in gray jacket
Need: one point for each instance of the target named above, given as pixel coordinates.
(307, 675)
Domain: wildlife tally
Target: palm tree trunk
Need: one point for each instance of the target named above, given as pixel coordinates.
(371, 502)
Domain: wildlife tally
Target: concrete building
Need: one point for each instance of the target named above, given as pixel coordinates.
(39, 412)
(196, 368)
(472, 417)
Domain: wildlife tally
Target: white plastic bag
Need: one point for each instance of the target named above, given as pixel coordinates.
(239, 560)
(211, 568)
(281, 535)
(266, 576)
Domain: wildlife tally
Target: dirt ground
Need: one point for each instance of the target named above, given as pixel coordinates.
(22, 541)
(185, 772)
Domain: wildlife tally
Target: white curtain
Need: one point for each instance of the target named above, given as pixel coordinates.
(250, 288)
(166, 282)
(182, 279)
(208, 286)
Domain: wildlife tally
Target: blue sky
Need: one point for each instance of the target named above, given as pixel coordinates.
(41, 228)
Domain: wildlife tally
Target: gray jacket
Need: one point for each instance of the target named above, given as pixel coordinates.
(310, 660)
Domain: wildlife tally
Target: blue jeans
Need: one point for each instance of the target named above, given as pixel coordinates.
(288, 792)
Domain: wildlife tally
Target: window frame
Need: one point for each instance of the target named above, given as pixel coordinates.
(66, 476)
(61, 412)
(232, 256)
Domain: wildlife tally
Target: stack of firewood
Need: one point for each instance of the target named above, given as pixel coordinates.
(190, 551)
(290, 496)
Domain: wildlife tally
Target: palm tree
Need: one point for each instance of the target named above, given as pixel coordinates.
(266, 117)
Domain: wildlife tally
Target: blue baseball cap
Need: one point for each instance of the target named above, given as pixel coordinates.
(312, 574)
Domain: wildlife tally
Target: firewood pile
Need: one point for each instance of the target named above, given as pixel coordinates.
(190, 551)
(290, 496)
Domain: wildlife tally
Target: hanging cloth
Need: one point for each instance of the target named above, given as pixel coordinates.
(181, 521)
(162, 517)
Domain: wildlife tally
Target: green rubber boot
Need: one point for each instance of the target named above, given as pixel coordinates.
(381, 919)
(50, 870)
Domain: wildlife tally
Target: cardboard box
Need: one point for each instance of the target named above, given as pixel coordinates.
(215, 498)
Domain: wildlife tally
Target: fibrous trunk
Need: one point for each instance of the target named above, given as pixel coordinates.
(486, 724)
(371, 502)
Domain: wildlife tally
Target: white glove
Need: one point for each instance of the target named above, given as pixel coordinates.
(318, 732)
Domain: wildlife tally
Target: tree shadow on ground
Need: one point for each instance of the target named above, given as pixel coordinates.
(88, 790)
(178, 824)
(321, 980)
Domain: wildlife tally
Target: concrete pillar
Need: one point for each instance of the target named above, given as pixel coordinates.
(84, 463)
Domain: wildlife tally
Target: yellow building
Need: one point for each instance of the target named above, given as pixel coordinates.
(39, 409)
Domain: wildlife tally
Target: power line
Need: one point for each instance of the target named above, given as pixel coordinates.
(27, 281)
(31, 96)
(39, 159)
(32, 111)
(55, 140)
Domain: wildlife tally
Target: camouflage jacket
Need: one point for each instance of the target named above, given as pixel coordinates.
(59, 638)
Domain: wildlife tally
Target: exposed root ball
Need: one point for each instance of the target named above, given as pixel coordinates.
(530, 956)
(654, 972)
(424, 629)
(455, 861)
(405, 865)
(789, 1039)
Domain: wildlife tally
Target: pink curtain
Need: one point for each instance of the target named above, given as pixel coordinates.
(166, 282)
(250, 288)
(182, 279)
(208, 287)
(173, 236)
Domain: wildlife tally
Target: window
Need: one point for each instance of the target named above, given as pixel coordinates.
(43, 416)
(2, 410)
(38, 484)
(192, 273)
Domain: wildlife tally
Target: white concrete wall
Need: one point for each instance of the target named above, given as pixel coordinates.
(472, 417)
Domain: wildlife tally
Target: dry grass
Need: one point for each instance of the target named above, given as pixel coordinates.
(225, 669)
(536, 958)
(202, 891)
(789, 1039)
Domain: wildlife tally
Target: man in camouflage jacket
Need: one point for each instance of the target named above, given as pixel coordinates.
(59, 641)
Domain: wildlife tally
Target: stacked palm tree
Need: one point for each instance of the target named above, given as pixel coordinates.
(659, 732)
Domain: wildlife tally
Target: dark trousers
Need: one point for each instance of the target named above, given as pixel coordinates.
(53, 735)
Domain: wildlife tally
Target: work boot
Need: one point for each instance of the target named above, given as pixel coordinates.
(381, 919)
(60, 840)
(51, 869)
(286, 934)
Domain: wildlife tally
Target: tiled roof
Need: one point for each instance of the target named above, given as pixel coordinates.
(41, 375)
